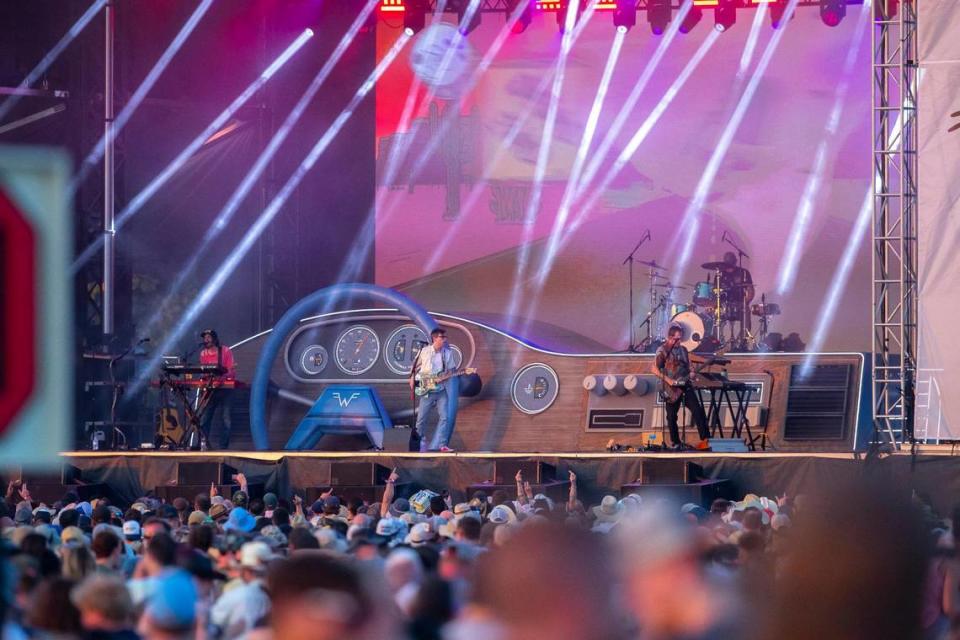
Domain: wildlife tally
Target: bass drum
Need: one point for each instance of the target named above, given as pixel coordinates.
(695, 329)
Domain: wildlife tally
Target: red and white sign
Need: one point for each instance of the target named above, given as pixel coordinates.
(36, 347)
(17, 322)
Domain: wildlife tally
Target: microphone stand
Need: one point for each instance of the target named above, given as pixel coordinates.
(629, 260)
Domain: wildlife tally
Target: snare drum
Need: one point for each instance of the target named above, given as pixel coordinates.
(703, 294)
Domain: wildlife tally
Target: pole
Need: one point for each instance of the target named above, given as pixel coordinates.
(108, 174)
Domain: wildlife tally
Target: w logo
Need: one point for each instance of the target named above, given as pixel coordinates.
(345, 402)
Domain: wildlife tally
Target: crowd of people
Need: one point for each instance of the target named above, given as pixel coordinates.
(862, 561)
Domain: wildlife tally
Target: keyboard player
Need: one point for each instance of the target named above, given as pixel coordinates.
(220, 404)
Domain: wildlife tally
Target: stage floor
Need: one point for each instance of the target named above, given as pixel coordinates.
(935, 470)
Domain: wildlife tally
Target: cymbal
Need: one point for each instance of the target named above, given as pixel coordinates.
(652, 264)
(667, 285)
(719, 266)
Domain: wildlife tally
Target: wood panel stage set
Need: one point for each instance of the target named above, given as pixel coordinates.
(339, 411)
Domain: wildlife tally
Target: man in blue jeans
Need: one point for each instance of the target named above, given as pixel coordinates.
(436, 359)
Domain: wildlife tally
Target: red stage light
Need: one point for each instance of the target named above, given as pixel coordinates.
(832, 11)
(526, 14)
(659, 13)
(690, 20)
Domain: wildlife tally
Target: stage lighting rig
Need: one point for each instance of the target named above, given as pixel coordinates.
(526, 14)
(659, 13)
(415, 16)
(725, 15)
(625, 14)
(691, 20)
(832, 11)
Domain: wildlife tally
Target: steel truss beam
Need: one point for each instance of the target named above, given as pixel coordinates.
(506, 6)
(894, 139)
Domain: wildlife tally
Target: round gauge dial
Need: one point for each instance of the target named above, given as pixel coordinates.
(457, 356)
(314, 359)
(357, 350)
(401, 348)
(534, 389)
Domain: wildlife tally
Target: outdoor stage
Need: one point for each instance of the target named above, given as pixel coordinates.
(934, 471)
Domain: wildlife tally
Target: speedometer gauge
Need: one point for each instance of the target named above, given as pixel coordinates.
(402, 346)
(357, 350)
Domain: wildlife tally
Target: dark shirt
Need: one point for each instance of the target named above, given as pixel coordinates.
(675, 364)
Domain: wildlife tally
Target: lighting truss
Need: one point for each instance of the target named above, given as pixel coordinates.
(503, 6)
(894, 139)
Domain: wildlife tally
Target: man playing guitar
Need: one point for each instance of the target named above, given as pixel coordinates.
(672, 366)
(435, 359)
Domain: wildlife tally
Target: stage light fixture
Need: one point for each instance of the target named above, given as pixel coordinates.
(562, 14)
(414, 16)
(832, 11)
(468, 14)
(691, 20)
(659, 13)
(526, 15)
(725, 15)
(624, 15)
(777, 10)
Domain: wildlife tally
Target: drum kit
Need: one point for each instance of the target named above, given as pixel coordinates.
(718, 314)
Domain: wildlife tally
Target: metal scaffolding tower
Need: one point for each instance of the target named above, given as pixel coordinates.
(894, 115)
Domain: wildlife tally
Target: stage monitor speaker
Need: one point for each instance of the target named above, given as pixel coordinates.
(192, 473)
(703, 492)
(534, 472)
(358, 474)
(668, 471)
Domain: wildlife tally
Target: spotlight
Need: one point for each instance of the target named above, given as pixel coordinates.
(466, 8)
(659, 13)
(777, 9)
(832, 11)
(725, 15)
(690, 21)
(562, 14)
(624, 15)
(415, 16)
(526, 15)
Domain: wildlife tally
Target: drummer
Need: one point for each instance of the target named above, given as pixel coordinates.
(739, 283)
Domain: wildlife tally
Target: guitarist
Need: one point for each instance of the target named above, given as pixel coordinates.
(672, 366)
(435, 359)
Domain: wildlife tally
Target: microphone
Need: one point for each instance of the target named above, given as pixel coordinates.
(648, 234)
(724, 236)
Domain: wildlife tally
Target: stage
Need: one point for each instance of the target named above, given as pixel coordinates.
(128, 475)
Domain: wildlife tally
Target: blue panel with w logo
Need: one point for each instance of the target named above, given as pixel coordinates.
(342, 410)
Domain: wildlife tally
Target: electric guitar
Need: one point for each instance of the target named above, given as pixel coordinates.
(425, 383)
(673, 392)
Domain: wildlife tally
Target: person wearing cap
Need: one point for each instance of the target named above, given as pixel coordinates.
(221, 396)
(242, 608)
(239, 520)
(170, 611)
(437, 359)
(270, 503)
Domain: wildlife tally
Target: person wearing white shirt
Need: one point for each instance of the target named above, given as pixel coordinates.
(436, 359)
